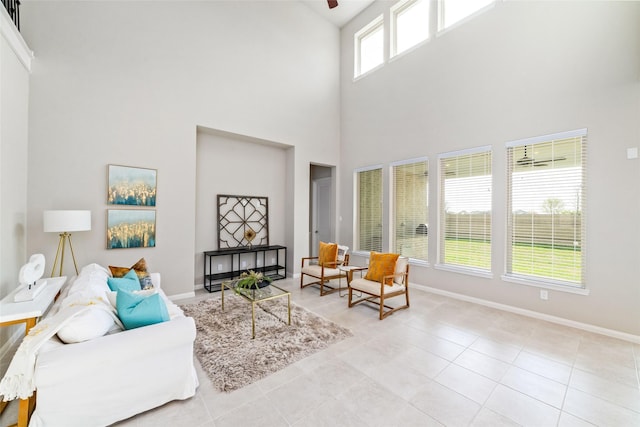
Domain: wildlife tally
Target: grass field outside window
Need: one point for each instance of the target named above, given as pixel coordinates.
(541, 261)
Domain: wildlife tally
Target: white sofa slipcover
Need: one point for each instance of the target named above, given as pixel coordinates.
(107, 379)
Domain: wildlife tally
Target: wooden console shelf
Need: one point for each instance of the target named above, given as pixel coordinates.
(275, 271)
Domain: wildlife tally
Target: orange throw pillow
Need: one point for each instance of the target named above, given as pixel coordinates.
(328, 253)
(380, 265)
(140, 268)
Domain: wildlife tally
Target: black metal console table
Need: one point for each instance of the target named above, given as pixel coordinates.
(275, 270)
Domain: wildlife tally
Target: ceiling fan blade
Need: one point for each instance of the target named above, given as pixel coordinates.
(332, 3)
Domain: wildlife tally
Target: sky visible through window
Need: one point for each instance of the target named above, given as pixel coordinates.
(372, 50)
(530, 191)
(457, 10)
(412, 25)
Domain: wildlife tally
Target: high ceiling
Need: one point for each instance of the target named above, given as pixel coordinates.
(340, 15)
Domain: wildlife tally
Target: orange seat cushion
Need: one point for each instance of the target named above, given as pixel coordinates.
(328, 253)
(380, 265)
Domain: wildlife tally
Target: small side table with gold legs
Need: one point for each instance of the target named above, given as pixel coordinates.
(28, 312)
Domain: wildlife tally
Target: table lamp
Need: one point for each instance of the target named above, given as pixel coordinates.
(64, 222)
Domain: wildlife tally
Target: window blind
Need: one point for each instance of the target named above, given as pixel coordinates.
(411, 208)
(546, 199)
(369, 209)
(465, 209)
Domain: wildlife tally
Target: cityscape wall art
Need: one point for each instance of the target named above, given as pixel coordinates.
(131, 228)
(131, 186)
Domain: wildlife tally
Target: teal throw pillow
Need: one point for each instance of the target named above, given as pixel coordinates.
(137, 310)
(129, 282)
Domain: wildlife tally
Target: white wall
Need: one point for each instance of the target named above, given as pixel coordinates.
(14, 103)
(519, 70)
(129, 83)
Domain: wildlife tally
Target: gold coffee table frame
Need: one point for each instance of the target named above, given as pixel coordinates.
(255, 296)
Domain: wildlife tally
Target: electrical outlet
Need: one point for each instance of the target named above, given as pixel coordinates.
(258, 262)
(544, 294)
(273, 261)
(244, 264)
(219, 267)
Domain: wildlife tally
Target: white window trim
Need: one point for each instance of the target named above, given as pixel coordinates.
(545, 138)
(441, 31)
(396, 9)
(357, 39)
(466, 151)
(543, 283)
(470, 271)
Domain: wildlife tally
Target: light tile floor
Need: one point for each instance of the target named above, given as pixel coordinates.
(441, 362)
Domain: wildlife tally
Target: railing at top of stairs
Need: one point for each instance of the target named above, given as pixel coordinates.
(13, 8)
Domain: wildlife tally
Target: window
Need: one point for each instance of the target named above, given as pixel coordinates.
(368, 196)
(465, 210)
(452, 11)
(410, 24)
(369, 47)
(546, 200)
(410, 214)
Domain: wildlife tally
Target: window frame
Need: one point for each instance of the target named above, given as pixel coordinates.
(395, 11)
(536, 280)
(356, 209)
(366, 31)
(393, 232)
(442, 223)
(442, 15)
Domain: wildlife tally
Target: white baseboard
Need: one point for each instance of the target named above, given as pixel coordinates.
(534, 314)
(182, 296)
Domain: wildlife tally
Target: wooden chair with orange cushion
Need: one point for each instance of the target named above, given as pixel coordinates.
(387, 277)
(324, 267)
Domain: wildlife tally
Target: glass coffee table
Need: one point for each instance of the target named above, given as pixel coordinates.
(255, 296)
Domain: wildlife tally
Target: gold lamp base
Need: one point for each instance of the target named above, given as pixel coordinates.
(64, 237)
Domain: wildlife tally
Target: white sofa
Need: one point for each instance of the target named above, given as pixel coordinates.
(106, 379)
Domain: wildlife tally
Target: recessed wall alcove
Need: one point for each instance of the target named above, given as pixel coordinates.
(230, 163)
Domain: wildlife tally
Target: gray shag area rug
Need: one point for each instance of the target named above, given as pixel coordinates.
(232, 359)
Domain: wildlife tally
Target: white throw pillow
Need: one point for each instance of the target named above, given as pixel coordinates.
(93, 323)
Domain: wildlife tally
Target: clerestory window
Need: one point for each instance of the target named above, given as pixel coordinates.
(369, 47)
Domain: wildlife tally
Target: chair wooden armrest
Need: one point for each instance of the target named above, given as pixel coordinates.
(308, 259)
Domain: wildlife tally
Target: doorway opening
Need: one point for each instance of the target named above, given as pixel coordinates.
(322, 207)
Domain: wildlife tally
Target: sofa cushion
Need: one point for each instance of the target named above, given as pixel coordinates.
(136, 309)
(140, 268)
(129, 282)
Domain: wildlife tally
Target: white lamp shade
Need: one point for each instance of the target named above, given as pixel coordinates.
(61, 221)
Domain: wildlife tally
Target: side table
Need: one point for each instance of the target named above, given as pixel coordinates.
(28, 312)
(349, 269)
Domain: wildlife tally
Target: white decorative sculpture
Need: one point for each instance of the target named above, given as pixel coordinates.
(29, 278)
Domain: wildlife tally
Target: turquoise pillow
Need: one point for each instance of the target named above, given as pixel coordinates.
(137, 310)
(128, 282)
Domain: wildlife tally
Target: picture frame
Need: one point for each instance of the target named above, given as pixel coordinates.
(131, 186)
(131, 228)
(243, 221)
